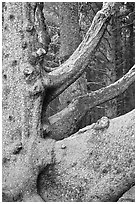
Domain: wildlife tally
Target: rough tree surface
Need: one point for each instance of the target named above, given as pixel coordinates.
(95, 164)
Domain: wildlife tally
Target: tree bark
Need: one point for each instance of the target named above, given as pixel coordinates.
(25, 151)
(63, 76)
(64, 122)
(110, 106)
(70, 39)
(95, 164)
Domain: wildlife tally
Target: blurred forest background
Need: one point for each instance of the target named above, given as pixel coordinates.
(115, 55)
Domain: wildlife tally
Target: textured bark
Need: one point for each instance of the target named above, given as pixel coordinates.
(25, 84)
(128, 196)
(24, 150)
(51, 12)
(63, 76)
(69, 39)
(64, 122)
(93, 164)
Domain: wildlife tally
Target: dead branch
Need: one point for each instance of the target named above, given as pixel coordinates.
(69, 71)
(64, 122)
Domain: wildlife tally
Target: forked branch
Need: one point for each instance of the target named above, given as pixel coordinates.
(64, 75)
(64, 122)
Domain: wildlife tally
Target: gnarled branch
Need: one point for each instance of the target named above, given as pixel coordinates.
(64, 122)
(69, 71)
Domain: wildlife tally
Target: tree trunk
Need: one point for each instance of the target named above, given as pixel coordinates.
(26, 83)
(70, 39)
(22, 98)
(110, 106)
(94, 165)
(64, 123)
(124, 35)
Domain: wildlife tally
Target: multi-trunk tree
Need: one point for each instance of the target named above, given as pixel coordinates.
(95, 164)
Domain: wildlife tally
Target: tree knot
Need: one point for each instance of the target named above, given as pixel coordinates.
(28, 71)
